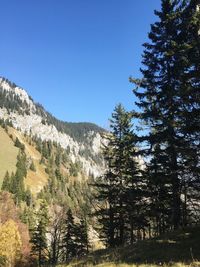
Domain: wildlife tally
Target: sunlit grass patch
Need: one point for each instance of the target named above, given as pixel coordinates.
(8, 154)
(167, 241)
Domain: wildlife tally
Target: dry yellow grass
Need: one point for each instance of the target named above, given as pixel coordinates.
(34, 180)
(8, 154)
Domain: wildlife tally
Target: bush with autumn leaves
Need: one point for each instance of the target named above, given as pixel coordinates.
(14, 235)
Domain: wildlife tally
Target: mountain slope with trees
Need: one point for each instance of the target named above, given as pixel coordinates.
(82, 140)
(144, 206)
(44, 187)
(8, 154)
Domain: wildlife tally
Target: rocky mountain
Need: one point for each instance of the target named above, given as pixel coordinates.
(82, 140)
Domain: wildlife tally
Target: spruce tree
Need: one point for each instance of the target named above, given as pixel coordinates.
(121, 186)
(136, 191)
(190, 107)
(39, 235)
(6, 182)
(159, 100)
(82, 236)
(18, 187)
(160, 188)
(70, 242)
(15, 183)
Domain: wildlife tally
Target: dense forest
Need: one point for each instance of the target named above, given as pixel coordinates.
(151, 182)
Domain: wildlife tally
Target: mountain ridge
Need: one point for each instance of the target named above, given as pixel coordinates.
(7, 85)
(82, 139)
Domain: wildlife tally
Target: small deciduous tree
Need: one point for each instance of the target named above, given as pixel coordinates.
(10, 243)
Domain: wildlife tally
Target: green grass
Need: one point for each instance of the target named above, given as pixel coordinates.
(8, 154)
(178, 249)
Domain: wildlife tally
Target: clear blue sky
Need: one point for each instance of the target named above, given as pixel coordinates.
(75, 56)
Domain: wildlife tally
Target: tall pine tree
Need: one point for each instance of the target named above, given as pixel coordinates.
(159, 100)
(121, 186)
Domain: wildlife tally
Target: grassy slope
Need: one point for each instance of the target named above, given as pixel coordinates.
(8, 159)
(8, 154)
(34, 180)
(181, 248)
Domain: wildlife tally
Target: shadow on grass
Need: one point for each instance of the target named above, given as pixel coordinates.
(181, 246)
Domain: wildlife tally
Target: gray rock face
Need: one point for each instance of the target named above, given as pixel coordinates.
(30, 122)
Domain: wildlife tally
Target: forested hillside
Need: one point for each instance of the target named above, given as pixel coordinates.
(81, 140)
(43, 190)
